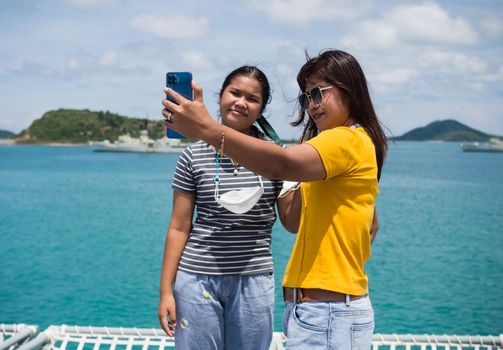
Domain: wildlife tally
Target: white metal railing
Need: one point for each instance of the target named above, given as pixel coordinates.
(117, 338)
(13, 335)
(436, 342)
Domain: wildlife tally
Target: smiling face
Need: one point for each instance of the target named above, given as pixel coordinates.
(333, 111)
(241, 103)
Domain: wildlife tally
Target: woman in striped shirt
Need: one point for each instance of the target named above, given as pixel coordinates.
(217, 284)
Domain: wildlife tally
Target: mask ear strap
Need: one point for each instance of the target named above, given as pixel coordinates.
(216, 195)
(268, 130)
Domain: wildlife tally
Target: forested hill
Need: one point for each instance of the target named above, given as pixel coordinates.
(4, 134)
(444, 130)
(81, 126)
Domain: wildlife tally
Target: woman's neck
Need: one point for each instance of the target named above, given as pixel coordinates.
(349, 122)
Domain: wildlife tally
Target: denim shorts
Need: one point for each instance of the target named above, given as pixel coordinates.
(329, 325)
(223, 312)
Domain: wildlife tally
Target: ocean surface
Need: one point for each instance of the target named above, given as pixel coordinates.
(82, 235)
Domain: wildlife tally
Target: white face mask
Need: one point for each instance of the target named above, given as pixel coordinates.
(239, 201)
(288, 186)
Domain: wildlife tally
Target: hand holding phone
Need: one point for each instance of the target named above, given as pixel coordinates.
(181, 82)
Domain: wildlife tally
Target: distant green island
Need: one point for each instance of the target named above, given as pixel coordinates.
(74, 126)
(82, 126)
(445, 130)
(4, 134)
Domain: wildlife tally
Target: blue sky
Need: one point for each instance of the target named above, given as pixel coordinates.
(424, 61)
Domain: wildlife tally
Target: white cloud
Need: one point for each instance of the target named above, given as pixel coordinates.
(146, 49)
(35, 69)
(196, 60)
(418, 42)
(392, 77)
(76, 66)
(426, 24)
(434, 70)
(108, 59)
(432, 24)
(171, 26)
(72, 63)
(302, 12)
(476, 116)
(452, 62)
(94, 3)
(374, 33)
(492, 25)
(492, 77)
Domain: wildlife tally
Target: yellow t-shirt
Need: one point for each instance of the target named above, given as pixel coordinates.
(333, 242)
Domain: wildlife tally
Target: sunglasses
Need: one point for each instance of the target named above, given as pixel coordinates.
(315, 95)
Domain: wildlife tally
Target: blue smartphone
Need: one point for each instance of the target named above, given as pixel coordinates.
(181, 82)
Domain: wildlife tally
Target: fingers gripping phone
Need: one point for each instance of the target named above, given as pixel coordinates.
(181, 82)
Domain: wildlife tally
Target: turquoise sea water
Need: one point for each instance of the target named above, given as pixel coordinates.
(82, 234)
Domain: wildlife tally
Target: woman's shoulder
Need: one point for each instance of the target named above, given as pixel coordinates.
(332, 136)
(342, 138)
(199, 149)
(199, 146)
(344, 132)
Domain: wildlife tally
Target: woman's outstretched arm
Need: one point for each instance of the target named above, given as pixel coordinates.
(191, 118)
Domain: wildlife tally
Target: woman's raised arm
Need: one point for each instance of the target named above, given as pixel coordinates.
(191, 118)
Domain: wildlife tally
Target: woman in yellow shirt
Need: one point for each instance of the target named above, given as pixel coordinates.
(339, 163)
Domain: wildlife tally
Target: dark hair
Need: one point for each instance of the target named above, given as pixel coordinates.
(341, 69)
(250, 72)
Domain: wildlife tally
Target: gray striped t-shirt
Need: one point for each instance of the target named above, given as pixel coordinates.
(221, 242)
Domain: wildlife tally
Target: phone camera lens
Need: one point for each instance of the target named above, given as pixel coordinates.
(172, 79)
